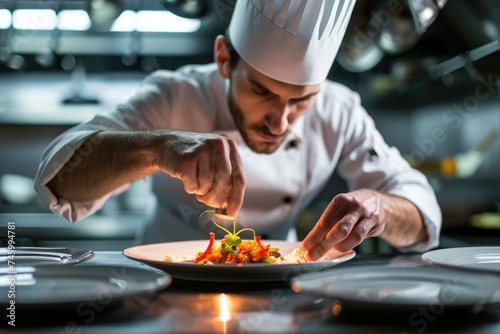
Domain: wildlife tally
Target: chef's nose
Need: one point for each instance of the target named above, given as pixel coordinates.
(277, 120)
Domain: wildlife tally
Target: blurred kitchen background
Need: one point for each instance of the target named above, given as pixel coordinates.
(428, 71)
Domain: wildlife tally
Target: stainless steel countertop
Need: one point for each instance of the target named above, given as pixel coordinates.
(189, 307)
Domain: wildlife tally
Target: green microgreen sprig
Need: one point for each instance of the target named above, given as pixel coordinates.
(232, 239)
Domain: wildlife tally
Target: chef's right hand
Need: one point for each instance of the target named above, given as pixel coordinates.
(209, 166)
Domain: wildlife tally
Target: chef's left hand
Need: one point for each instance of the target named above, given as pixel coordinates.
(347, 221)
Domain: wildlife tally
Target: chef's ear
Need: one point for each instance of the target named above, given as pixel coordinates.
(221, 55)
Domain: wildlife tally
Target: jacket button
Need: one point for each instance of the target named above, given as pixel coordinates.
(292, 144)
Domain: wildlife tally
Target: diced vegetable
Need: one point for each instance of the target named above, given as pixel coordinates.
(262, 247)
(208, 250)
(266, 261)
(233, 249)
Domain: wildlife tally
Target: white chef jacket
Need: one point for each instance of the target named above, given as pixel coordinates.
(336, 133)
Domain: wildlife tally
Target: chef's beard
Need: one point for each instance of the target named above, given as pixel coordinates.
(249, 132)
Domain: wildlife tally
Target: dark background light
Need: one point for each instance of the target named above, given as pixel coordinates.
(187, 8)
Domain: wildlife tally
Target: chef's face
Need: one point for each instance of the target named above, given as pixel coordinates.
(265, 109)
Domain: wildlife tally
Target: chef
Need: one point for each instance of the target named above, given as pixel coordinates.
(260, 132)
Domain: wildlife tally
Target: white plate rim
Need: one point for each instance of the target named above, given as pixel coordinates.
(138, 280)
(223, 273)
(443, 257)
(299, 284)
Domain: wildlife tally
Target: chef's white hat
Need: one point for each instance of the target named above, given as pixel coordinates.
(293, 41)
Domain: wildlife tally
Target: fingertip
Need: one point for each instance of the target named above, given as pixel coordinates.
(223, 217)
(311, 256)
(232, 212)
(234, 204)
(306, 245)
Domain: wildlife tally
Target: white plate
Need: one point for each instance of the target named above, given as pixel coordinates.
(378, 287)
(30, 256)
(480, 258)
(62, 286)
(154, 255)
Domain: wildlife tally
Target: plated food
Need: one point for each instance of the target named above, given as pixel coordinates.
(277, 260)
(233, 250)
(184, 269)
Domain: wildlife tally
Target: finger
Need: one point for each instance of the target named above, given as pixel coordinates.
(187, 168)
(217, 196)
(204, 177)
(216, 180)
(238, 182)
(339, 232)
(199, 178)
(317, 233)
(360, 232)
(189, 177)
(325, 223)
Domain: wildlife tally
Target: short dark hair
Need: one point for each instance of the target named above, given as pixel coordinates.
(234, 56)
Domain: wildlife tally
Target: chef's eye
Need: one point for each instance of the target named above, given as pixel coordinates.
(301, 100)
(259, 92)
